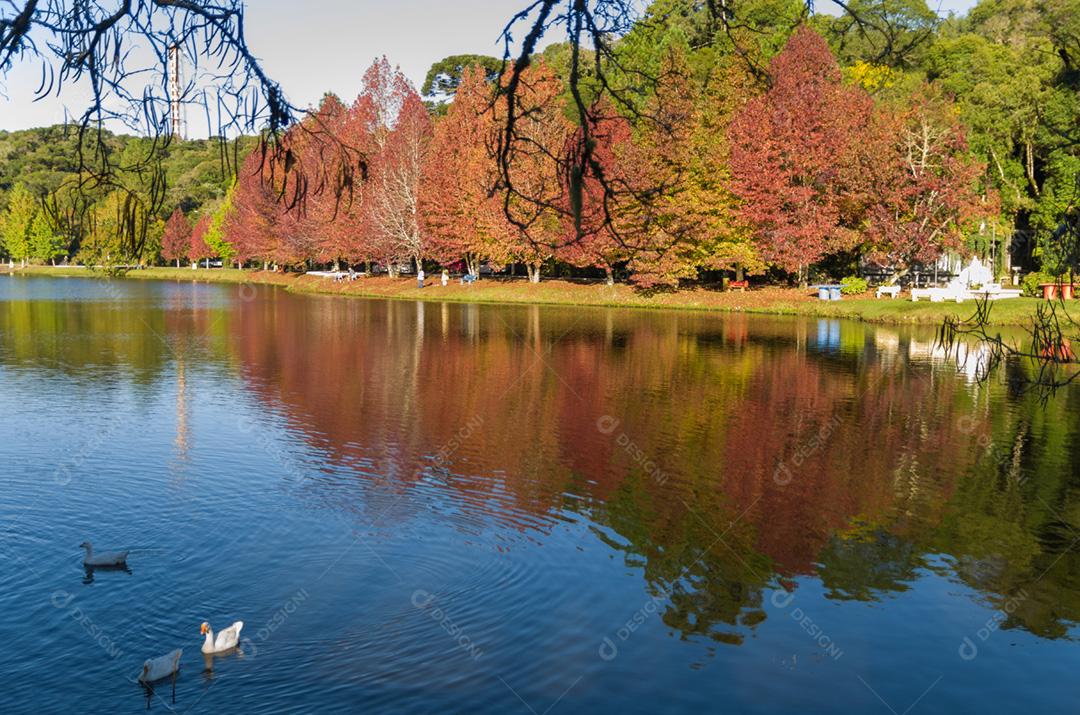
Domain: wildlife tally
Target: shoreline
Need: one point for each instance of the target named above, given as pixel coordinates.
(504, 291)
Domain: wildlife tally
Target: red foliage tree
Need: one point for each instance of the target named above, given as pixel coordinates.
(792, 156)
(542, 131)
(198, 250)
(393, 194)
(252, 226)
(315, 223)
(923, 182)
(596, 234)
(463, 219)
(176, 241)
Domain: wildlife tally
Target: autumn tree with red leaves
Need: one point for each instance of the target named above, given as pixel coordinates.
(707, 173)
(198, 250)
(253, 226)
(923, 182)
(596, 232)
(393, 196)
(176, 241)
(317, 224)
(463, 218)
(542, 131)
(792, 157)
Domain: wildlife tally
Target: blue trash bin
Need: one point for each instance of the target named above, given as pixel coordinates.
(834, 292)
(823, 292)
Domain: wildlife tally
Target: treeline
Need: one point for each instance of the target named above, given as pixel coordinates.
(798, 146)
(731, 172)
(49, 210)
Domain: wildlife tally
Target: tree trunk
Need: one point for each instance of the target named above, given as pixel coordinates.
(609, 275)
(898, 275)
(1029, 165)
(739, 272)
(534, 272)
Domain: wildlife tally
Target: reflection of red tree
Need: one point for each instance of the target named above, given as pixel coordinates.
(511, 398)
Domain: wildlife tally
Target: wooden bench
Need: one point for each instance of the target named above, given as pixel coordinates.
(891, 291)
(739, 285)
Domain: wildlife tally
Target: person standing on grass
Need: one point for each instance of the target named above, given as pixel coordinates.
(420, 278)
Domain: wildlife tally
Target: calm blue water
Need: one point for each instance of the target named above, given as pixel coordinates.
(453, 508)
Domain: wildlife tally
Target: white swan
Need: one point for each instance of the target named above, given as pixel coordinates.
(161, 667)
(106, 558)
(228, 638)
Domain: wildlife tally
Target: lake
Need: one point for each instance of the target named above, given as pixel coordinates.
(425, 507)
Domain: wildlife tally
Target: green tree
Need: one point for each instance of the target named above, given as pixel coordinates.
(1012, 67)
(45, 244)
(17, 221)
(215, 233)
(889, 33)
(444, 77)
(112, 224)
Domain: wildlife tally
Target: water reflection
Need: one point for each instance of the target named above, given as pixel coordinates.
(727, 458)
(90, 571)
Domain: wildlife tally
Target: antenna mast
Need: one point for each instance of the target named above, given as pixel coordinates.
(176, 120)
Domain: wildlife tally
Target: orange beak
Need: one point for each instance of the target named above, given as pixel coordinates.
(202, 629)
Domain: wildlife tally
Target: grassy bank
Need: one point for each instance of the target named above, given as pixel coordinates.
(776, 301)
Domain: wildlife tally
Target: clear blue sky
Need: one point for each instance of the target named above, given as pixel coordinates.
(325, 45)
